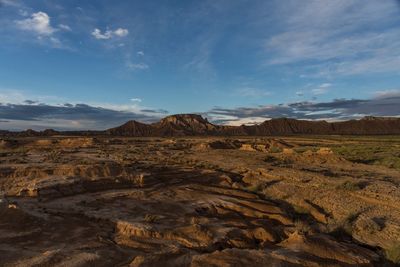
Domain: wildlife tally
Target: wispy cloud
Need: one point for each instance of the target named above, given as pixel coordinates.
(251, 92)
(64, 27)
(136, 66)
(339, 37)
(108, 34)
(12, 3)
(322, 89)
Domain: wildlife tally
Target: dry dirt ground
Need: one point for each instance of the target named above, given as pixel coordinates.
(279, 201)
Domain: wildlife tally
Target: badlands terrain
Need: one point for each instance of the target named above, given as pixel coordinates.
(200, 201)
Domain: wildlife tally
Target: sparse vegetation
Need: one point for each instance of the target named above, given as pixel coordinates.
(151, 218)
(270, 158)
(384, 154)
(275, 149)
(254, 188)
(350, 186)
(347, 225)
(300, 210)
(303, 149)
(302, 227)
(393, 253)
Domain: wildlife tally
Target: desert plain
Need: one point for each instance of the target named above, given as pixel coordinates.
(200, 201)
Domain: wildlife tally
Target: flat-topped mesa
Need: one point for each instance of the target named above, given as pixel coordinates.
(184, 118)
(185, 124)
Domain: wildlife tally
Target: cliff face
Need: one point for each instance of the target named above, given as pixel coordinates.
(184, 124)
(195, 125)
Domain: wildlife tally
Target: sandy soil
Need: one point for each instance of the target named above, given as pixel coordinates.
(287, 201)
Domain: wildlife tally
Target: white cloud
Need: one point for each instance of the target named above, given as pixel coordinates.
(120, 32)
(245, 121)
(64, 27)
(140, 53)
(38, 23)
(101, 36)
(136, 99)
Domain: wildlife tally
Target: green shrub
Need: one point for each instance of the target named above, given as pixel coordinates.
(275, 149)
(270, 158)
(300, 209)
(393, 253)
(254, 188)
(350, 186)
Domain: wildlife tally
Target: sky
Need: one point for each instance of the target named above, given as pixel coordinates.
(69, 64)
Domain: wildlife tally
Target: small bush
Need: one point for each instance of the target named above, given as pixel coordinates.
(393, 253)
(350, 186)
(270, 158)
(254, 188)
(300, 210)
(302, 227)
(275, 149)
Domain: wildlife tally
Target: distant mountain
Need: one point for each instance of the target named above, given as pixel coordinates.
(285, 126)
(196, 125)
(131, 128)
(185, 124)
(193, 124)
(368, 125)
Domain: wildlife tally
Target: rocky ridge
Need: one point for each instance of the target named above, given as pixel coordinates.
(196, 125)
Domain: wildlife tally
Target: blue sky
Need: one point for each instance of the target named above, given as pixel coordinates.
(94, 64)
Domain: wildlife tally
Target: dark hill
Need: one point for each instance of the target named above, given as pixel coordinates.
(192, 125)
(132, 128)
(196, 125)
